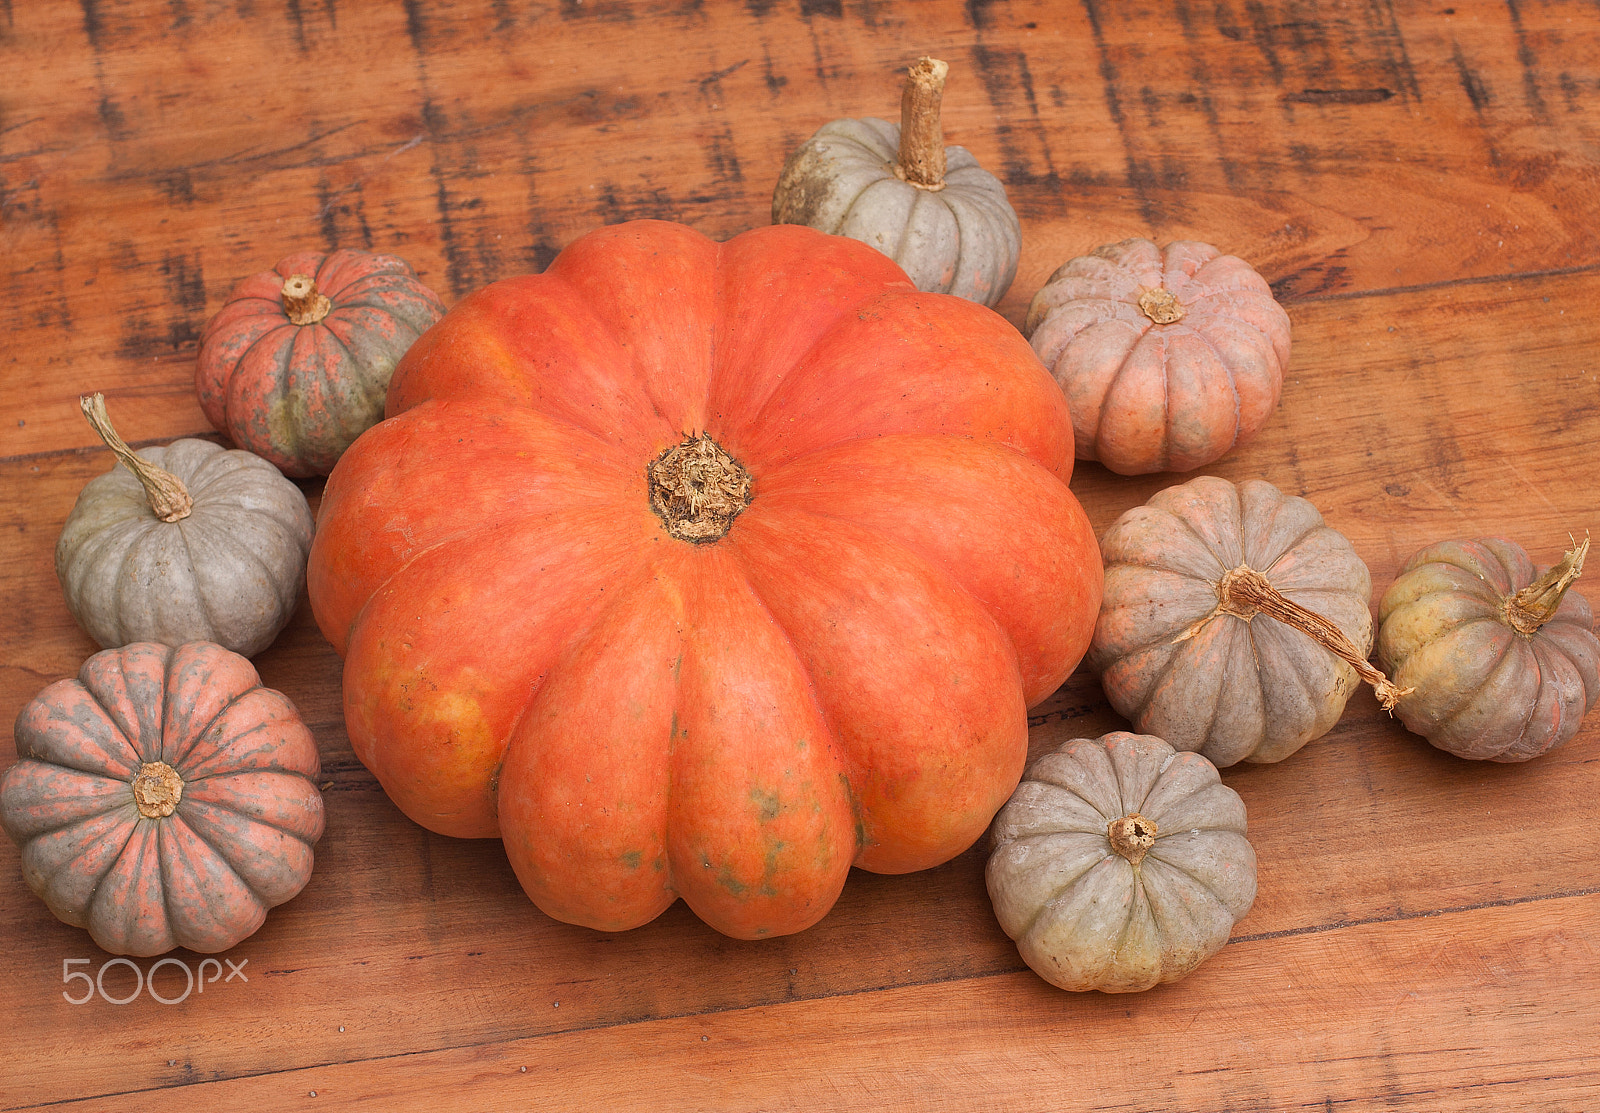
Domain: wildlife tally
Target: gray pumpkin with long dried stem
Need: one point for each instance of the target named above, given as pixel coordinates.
(1119, 863)
(1504, 663)
(190, 542)
(930, 208)
(1234, 621)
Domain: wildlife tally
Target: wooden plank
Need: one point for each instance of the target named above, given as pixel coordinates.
(1367, 826)
(1492, 1013)
(1370, 147)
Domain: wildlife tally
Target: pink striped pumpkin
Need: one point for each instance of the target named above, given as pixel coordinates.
(164, 798)
(296, 365)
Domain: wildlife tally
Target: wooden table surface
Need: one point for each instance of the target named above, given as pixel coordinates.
(1416, 180)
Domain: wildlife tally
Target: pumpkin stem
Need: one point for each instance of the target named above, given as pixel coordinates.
(697, 489)
(157, 789)
(921, 160)
(302, 302)
(1244, 593)
(1537, 603)
(1132, 836)
(1162, 306)
(169, 499)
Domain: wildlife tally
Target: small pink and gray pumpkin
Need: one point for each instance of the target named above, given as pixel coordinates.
(296, 365)
(163, 799)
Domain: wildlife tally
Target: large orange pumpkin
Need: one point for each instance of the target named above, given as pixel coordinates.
(707, 571)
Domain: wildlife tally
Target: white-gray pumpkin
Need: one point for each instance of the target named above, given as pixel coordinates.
(138, 565)
(1120, 863)
(930, 208)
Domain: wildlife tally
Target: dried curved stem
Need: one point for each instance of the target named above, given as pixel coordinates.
(1244, 593)
(1537, 603)
(169, 499)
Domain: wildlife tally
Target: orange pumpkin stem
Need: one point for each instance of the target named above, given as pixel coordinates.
(1132, 836)
(1537, 603)
(302, 302)
(169, 499)
(921, 160)
(697, 489)
(157, 790)
(1244, 593)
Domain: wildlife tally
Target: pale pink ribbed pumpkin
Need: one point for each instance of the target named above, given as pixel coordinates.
(1168, 357)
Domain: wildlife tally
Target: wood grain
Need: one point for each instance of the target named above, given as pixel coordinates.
(1246, 1032)
(1416, 180)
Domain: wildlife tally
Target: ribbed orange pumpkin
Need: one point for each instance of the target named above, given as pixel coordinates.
(164, 798)
(297, 363)
(707, 571)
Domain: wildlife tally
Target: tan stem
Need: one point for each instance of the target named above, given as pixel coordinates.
(302, 302)
(921, 158)
(157, 789)
(1537, 603)
(697, 489)
(1244, 593)
(1162, 306)
(169, 499)
(1132, 836)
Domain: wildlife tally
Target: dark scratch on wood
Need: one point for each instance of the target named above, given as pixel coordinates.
(415, 28)
(1261, 34)
(834, 9)
(1529, 61)
(590, 9)
(1477, 93)
(177, 184)
(1138, 176)
(1339, 96)
(297, 21)
(717, 75)
(332, 204)
(775, 80)
(1200, 78)
(92, 27)
(94, 30)
(182, 309)
(1005, 75)
(1405, 75)
(185, 282)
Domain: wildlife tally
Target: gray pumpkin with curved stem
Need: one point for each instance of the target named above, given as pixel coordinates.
(1120, 863)
(191, 542)
(930, 208)
(1234, 621)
